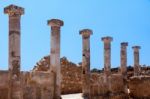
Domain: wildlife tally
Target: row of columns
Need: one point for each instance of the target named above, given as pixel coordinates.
(107, 60)
(123, 56)
(15, 91)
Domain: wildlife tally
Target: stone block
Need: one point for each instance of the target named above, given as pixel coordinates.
(119, 96)
(3, 78)
(3, 93)
(140, 87)
(98, 85)
(116, 83)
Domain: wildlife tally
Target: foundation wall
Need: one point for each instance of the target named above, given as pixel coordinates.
(139, 87)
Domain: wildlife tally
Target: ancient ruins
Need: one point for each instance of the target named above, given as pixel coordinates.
(53, 76)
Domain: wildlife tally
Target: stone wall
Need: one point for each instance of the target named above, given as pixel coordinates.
(140, 87)
(35, 83)
(3, 84)
(72, 82)
(112, 87)
(71, 74)
(3, 79)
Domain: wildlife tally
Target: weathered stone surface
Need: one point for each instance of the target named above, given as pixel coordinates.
(3, 93)
(98, 85)
(52, 74)
(137, 68)
(86, 74)
(139, 87)
(107, 54)
(119, 96)
(114, 87)
(3, 84)
(14, 89)
(55, 68)
(71, 74)
(123, 55)
(14, 10)
(3, 78)
(71, 81)
(116, 83)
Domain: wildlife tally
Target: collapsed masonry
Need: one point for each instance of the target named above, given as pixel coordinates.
(53, 77)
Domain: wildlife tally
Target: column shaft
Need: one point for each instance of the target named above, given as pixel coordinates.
(107, 58)
(14, 57)
(137, 68)
(14, 87)
(86, 63)
(107, 55)
(55, 59)
(123, 56)
(55, 67)
(86, 67)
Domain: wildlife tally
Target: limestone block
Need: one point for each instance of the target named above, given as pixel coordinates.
(3, 93)
(119, 96)
(116, 84)
(41, 78)
(98, 85)
(3, 78)
(140, 87)
(32, 92)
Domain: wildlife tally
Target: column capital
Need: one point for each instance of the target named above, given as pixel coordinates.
(13, 10)
(107, 39)
(124, 44)
(86, 33)
(136, 47)
(55, 22)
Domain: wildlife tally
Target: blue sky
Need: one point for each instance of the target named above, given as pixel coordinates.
(124, 20)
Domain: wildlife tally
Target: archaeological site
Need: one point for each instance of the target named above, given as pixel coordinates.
(53, 76)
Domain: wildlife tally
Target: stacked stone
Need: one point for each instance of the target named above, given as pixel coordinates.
(139, 87)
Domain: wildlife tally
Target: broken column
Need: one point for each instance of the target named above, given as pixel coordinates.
(86, 62)
(107, 55)
(123, 56)
(137, 68)
(14, 13)
(55, 68)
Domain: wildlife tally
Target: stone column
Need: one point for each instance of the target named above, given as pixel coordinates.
(14, 13)
(123, 56)
(137, 68)
(55, 68)
(86, 62)
(107, 55)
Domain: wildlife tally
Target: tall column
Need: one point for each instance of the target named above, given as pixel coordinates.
(86, 62)
(55, 68)
(137, 68)
(14, 13)
(107, 55)
(123, 56)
